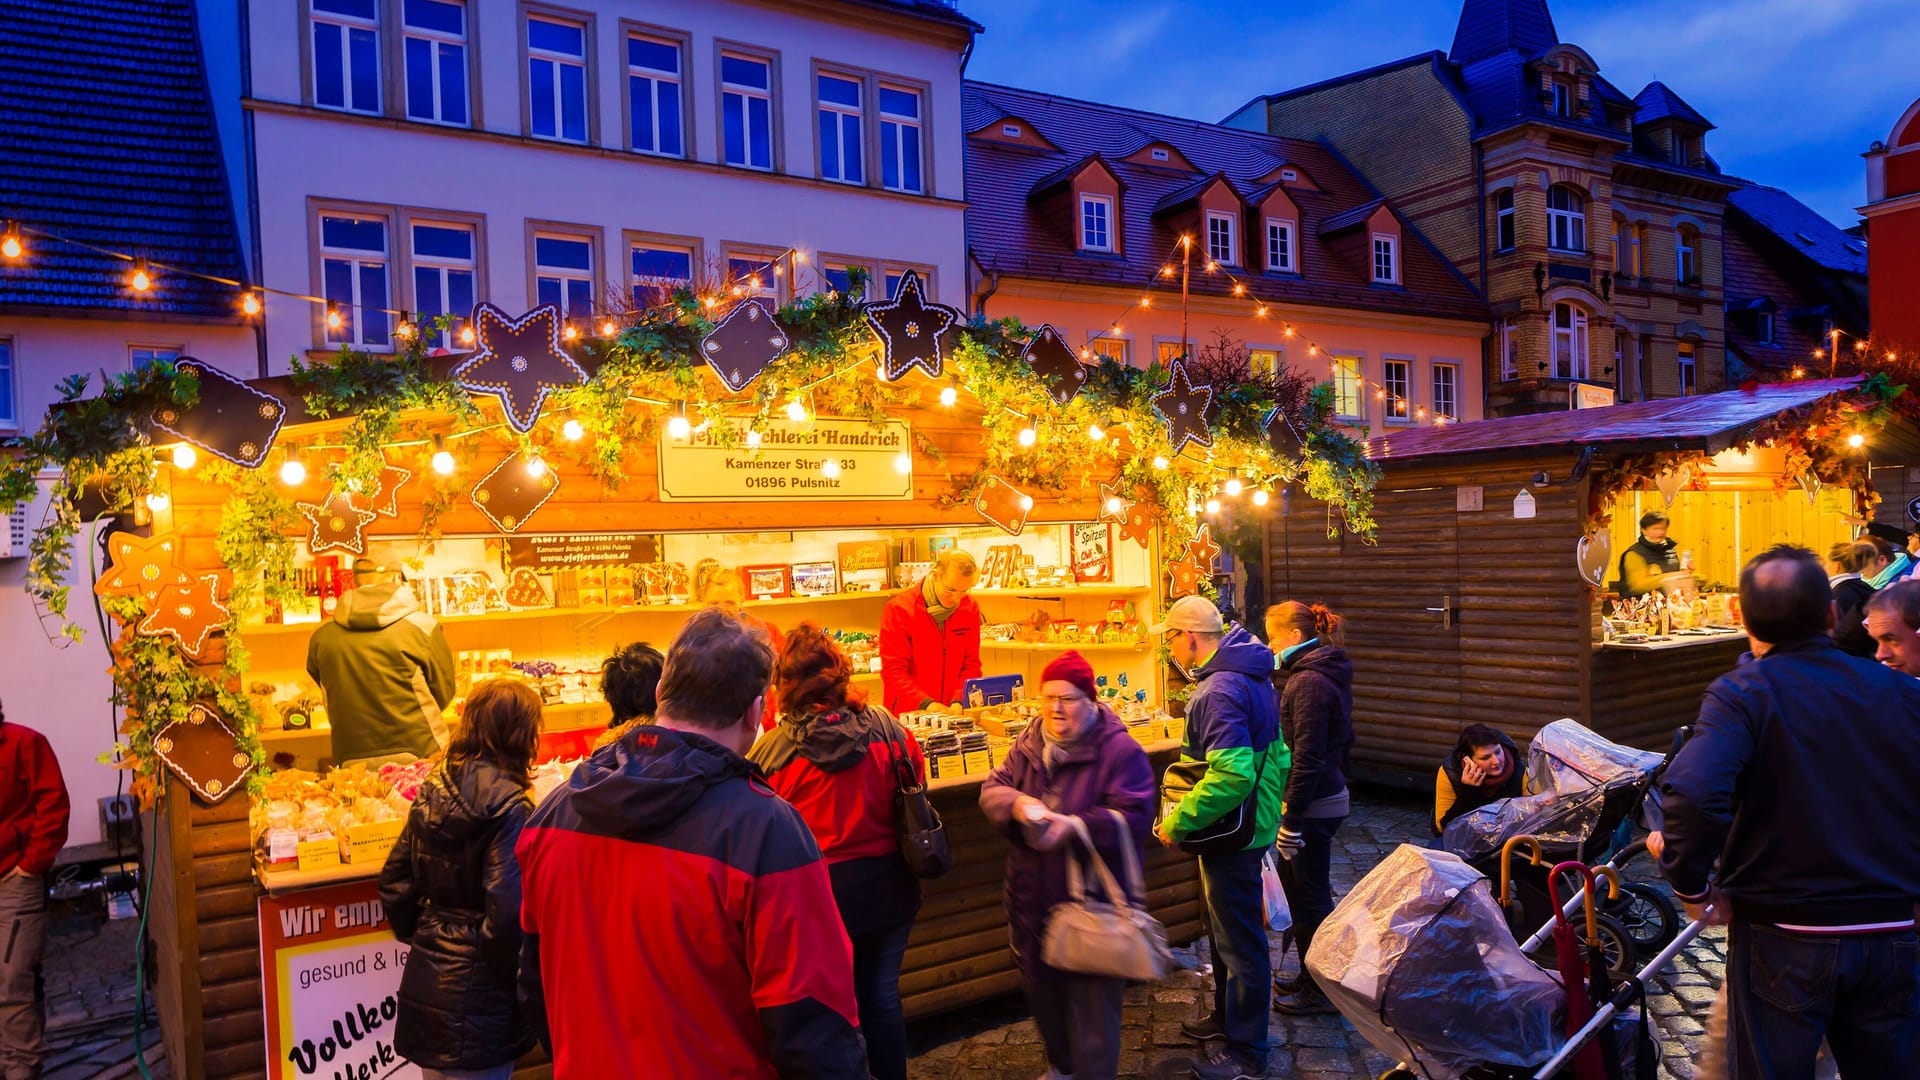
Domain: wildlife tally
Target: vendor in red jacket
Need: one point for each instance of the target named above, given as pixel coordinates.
(930, 637)
(33, 826)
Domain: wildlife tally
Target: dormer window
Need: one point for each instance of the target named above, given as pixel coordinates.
(1386, 259)
(1763, 333)
(1280, 246)
(1011, 131)
(1562, 99)
(1096, 223)
(1289, 174)
(1220, 245)
(1159, 154)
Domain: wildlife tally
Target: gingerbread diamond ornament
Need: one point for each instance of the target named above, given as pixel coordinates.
(1051, 358)
(1004, 505)
(204, 753)
(189, 614)
(514, 489)
(1185, 405)
(741, 345)
(141, 566)
(519, 361)
(909, 330)
(339, 523)
(231, 420)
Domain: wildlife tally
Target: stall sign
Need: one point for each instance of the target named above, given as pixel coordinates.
(556, 551)
(823, 459)
(1587, 396)
(330, 972)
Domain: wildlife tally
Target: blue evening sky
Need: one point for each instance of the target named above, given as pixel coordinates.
(1797, 89)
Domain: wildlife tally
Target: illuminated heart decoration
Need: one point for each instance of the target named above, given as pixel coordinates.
(1594, 555)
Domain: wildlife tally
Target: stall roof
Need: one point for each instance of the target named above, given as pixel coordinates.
(1706, 421)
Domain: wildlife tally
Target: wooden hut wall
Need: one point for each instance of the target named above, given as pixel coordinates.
(1516, 653)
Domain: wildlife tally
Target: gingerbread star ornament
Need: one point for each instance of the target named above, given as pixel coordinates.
(141, 566)
(1193, 565)
(1138, 524)
(909, 329)
(1114, 504)
(385, 500)
(337, 523)
(1184, 405)
(519, 361)
(189, 614)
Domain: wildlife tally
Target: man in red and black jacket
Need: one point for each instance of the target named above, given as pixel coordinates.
(33, 826)
(930, 638)
(678, 917)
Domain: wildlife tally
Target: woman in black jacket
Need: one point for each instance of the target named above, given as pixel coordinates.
(451, 888)
(1314, 681)
(1484, 766)
(1848, 565)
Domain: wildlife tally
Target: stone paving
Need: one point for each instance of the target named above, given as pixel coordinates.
(999, 1041)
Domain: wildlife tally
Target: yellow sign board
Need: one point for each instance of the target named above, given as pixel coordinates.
(839, 460)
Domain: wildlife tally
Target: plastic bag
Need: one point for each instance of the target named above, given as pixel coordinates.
(1279, 915)
(1566, 757)
(1559, 821)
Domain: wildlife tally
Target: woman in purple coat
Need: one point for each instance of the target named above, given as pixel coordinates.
(1077, 763)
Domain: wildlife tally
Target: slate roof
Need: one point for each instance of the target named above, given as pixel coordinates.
(108, 138)
(1008, 233)
(1348, 219)
(1801, 228)
(1657, 102)
(1488, 27)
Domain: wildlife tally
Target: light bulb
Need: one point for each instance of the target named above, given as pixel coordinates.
(11, 246)
(142, 281)
(1028, 436)
(292, 473)
(536, 466)
(184, 457)
(1260, 497)
(1095, 433)
(1159, 462)
(679, 428)
(1213, 506)
(1856, 440)
(753, 439)
(1026, 502)
(1114, 505)
(250, 303)
(404, 330)
(948, 395)
(572, 332)
(830, 468)
(156, 501)
(607, 328)
(443, 462)
(1145, 302)
(903, 463)
(572, 430)
(466, 335)
(333, 319)
(796, 412)
(1232, 486)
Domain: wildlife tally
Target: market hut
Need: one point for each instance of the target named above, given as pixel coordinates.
(1492, 589)
(548, 492)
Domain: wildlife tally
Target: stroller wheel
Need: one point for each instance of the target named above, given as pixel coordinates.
(1616, 946)
(1647, 915)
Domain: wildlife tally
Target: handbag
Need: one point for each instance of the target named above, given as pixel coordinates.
(923, 836)
(1232, 831)
(1113, 937)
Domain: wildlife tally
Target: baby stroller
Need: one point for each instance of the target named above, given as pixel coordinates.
(1584, 795)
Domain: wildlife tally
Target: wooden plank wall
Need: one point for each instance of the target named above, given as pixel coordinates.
(1641, 698)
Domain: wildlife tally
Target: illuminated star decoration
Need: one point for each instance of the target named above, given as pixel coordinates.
(230, 420)
(1139, 523)
(909, 330)
(1281, 436)
(519, 361)
(1193, 565)
(1109, 493)
(1051, 358)
(203, 752)
(337, 523)
(385, 500)
(188, 614)
(741, 345)
(141, 566)
(1184, 405)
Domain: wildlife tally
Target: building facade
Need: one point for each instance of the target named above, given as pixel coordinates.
(1796, 287)
(1088, 217)
(1893, 230)
(1590, 220)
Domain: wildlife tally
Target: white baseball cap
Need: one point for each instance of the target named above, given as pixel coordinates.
(1195, 613)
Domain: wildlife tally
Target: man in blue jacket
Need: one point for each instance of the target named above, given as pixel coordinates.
(1800, 780)
(1233, 724)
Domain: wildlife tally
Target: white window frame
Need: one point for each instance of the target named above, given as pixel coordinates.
(1279, 364)
(567, 275)
(1446, 393)
(1161, 345)
(9, 363)
(1389, 245)
(1104, 203)
(1574, 339)
(841, 114)
(1280, 241)
(1221, 241)
(1568, 223)
(1342, 374)
(347, 24)
(134, 348)
(657, 78)
(1504, 218)
(1108, 345)
(748, 95)
(1397, 407)
(636, 281)
(767, 264)
(1686, 257)
(893, 145)
(1686, 361)
(442, 265)
(560, 62)
(1509, 349)
(436, 41)
(356, 259)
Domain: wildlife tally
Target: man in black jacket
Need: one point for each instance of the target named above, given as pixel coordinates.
(1799, 779)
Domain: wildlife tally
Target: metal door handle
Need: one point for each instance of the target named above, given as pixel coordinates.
(1446, 612)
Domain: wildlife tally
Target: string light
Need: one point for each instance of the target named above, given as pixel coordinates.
(1159, 462)
(571, 332)
(903, 463)
(1213, 506)
(141, 280)
(1114, 505)
(466, 335)
(1145, 301)
(536, 466)
(572, 430)
(1856, 440)
(796, 412)
(607, 328)
(830, 468)
(334, 321)
(10, 245)
(1260, 497)
(184, 457)
(1799, 373)
(404, 330)
(1028, 436)
(1026, 502)
(948, 395)
(678, 427)
(1095, 432)
(442, 459)
(292, 472)
(250, 303)
(1232, 487)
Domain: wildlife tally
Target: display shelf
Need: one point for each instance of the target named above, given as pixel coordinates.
(1062, 646)
(678, 610)
(291, 735)
(277, 881)
(1048, 592)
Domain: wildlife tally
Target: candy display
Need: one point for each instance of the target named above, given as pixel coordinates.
(298, 808)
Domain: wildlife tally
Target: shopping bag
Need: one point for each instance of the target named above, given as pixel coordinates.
(1279, 915)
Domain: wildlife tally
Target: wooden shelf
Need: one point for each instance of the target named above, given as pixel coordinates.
(1049, 592)
(660, 610)
(277, 881)
(1061, 646)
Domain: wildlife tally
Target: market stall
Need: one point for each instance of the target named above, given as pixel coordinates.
(1493, 594)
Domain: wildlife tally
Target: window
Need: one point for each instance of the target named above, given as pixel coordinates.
(9, 412)
(1220, 239)
(1626, 248)
(1166, 352)
(892, 276)
(837, 274)
(1764, 331)
(1503, 232)
(1686, 255)
(1562, 99)
(1569, 342)
(1396, 377)
(1096, 223)
(563, 274)
(444, 269)
(753, 275)
(1349, 384)
(746, 111)
(1566, 219)
(1686, 355)
(1160, 155)
(557, 79)
(654, 109)
(346, 55)
(1446, 391)
(1110, 347)
(900, 140)
(353, 273)
(658, 270)
(435, 35)
(1011, 131)
(1510, 349)
(1266, 361)
(841, 140)
(1280, 246)
(139, 356)
(1386, 262)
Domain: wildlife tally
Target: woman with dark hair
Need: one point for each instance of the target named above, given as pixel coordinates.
(1483, 766)
(1847, 563)
(833, 756)
(629, 681)
(451, 889)
(1314, 682)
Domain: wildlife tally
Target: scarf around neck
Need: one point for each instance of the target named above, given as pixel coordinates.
(931, 592)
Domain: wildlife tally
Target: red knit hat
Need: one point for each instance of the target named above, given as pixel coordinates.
(1071, 667)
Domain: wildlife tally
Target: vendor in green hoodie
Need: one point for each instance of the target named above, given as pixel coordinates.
(1233, 724)
(386, 670)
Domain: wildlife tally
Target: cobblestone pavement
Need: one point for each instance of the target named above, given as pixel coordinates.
(999, 1042)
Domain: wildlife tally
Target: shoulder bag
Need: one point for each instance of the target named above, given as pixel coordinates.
(1113, 937)
(923, 836)
(1232, 831)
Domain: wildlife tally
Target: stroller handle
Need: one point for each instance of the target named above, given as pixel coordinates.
(1506, 864)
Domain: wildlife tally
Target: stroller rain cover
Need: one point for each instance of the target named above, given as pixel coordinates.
(1419, 959)
(1570, 770)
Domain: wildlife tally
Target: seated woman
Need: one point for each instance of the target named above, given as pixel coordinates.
(1483, 767)
(628, 681)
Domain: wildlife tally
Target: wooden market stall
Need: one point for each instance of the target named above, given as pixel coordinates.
(1484, 596)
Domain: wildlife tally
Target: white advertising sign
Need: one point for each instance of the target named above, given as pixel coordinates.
(839, 460)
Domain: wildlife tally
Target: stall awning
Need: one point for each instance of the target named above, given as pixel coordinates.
(1703, 422)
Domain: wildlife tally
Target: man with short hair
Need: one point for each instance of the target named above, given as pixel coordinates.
(737, 965)
(1893, 622)
(385, 668)
(1233, 724)
(930, 637)
(1799, 780)
(34, 813)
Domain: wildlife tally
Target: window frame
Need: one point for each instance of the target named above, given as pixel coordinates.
(437, 37)
(310, 56)
(9, 382)
(1574, 217)
(1390, 406)
(830, 261)
(1358, 375)
(1451, 368)
(1686, 360)
(1228, 231)
(858, 113)
(586, 23)
(683, 43)
(1160, 355)
(1505, 218)
(1392, 243)
(923, 93)
(474, 223)
(893, 268)
(1112, 346)
(776, 157)
(1279, 353)
(596, 271)
(148, 346)
(633, 238)
(1579, 346)
(1509, 346)
(779, 290)
(1686, 256)
(1562, 98)
(1291, 230)
(1627, 248)
(317, 210)
(1763, 330)
(1109, 204)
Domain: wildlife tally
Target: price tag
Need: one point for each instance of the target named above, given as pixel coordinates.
(979, 761)
(319, 853)
(947, 765)
(371, 842)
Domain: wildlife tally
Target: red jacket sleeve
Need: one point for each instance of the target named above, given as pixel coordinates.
(48, 817)
(802, 966)
(903, 692)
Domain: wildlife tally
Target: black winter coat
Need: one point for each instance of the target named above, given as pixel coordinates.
(451, 888)
(1315, 687)
(1850, 619)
